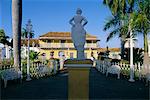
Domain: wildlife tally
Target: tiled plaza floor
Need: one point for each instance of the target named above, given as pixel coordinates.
(56, 87)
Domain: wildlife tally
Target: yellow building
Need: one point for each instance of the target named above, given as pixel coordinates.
(61, 43)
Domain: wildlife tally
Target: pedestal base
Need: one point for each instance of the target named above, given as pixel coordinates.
(28, 78)
(78, 79)
(131, 80)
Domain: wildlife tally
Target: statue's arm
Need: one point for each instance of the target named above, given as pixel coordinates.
(85, 21)
(71, 21)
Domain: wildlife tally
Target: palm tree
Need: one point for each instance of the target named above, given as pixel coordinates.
(142, 24)
(16, 29)
(118, 29)
(24, 33)
(117, 12)
(138, 19)
(119, 21)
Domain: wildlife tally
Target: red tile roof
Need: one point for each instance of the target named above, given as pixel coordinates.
(110, 49)
(25, 41)
(64, 35)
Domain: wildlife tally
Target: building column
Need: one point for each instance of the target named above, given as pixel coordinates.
(7, 51)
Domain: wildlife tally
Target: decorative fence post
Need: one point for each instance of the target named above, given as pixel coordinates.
(139, 70)
(55, 66)
(103, 67)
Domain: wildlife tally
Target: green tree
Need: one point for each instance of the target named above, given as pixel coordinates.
(16, 30)
(137, 55)
(4, 41)
(142, 24)
(3, 37)
(33, 55)
(24, 33)
(119, 21)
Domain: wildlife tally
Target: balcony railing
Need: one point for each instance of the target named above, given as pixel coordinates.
(65, 45)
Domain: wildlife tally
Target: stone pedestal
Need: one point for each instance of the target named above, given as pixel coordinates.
(78, 79)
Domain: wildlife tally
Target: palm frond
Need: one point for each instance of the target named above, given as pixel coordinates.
(24, 33)
(111, 23)
(112, 34)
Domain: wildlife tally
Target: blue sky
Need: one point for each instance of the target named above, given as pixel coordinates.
(53, 15)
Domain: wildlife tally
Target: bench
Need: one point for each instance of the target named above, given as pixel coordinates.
(43, 70)
(147, 78)
(10, 74)
(114, 69)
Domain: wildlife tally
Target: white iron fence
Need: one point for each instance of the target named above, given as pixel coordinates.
(36, 69)
(140, 70)
(8, 72)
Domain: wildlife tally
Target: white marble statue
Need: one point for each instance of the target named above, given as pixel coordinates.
(78, 33)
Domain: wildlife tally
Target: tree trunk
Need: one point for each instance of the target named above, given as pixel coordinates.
(122, 47)
(123, 37)
(16, 29)
(146, 57)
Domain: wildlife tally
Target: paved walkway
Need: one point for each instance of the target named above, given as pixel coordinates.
(55, 87)
(112, 88)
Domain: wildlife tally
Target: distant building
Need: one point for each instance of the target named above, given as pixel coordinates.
(61, 44)
(114, 53)
(127, 44)
(5, 51)
(34, 45)
(2, 51)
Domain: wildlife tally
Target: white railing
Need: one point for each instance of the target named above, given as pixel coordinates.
(36, 70)
(140, 71)
(91, 45)
(39, 69)
(3, 67)
(66, 45)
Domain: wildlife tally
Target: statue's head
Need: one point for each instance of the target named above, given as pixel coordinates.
(79, 11)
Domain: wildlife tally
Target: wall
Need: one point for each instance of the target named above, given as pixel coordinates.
(127, 44)
(3, 53)
(62, 48)
(67, 53)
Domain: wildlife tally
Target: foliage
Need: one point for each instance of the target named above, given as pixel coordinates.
(6, 62)
(24, 70)
(137, 55)
(119, 21)
(142, 22)
(3, 37)
(33, 55)
(114, 23)
(128, 16)
(24, 33)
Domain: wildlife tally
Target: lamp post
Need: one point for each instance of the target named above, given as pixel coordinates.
(29, 29)
(131, 56)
